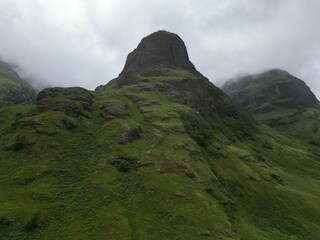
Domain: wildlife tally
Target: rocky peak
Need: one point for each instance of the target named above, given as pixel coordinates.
(160, 64)
(253, 91)
(159, 49)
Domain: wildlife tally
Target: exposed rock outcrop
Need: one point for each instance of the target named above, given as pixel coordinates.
(161, 63)
(73, 100)
(160, 49)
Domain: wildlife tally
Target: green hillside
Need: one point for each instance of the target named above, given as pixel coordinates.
(281, 101)
(157, 153)
(13, 89)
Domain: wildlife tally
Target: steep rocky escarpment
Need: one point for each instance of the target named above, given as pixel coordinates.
(159, 49)
(160, 63)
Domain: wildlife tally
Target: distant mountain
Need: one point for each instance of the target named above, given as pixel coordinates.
(161, 64)
(13, 89)
(275, 87)
(281, 101)
(157, 153)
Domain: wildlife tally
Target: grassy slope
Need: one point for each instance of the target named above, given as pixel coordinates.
(298, 116)
(304, 123)
(137, 171)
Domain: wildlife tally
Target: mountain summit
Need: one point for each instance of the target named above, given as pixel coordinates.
(161, 64)
(159, 49)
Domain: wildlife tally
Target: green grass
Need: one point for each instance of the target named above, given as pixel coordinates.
(281, 101)
(184, 175)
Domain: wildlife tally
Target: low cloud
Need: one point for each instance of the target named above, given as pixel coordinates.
(85, 43)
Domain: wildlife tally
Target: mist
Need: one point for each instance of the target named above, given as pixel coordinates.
(85, 43)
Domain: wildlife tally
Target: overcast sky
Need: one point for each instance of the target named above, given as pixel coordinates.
(85, 42)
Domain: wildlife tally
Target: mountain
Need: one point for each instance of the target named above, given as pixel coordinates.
(157, 153)
(13, 89)
(281, 101)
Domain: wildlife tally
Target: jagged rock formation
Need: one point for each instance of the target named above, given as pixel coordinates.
(159, 49)
(161, 61)
(13, 89)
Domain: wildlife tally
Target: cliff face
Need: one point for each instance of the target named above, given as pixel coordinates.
(13, 89)
(159, 49)
(161, 61)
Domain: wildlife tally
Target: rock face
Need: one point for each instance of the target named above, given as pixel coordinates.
(13, 89)
(163, 55)
(160, 63)
(160, 49)
(75, 100)
(275, 85)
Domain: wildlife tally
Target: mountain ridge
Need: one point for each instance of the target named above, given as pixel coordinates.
(282, 85)
(180, 81)
(156, 154)
(279, 100)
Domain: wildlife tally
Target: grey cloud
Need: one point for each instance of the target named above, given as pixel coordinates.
(85, 43)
